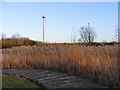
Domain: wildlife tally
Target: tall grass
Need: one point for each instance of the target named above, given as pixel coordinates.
(97, 63)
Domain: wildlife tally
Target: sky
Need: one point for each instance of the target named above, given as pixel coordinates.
(62, 19)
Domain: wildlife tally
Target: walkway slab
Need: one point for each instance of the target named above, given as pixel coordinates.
(53, 79)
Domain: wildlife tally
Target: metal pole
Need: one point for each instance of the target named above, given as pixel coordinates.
(43, 27)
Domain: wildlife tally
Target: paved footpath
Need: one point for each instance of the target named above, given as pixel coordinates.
(53, 79)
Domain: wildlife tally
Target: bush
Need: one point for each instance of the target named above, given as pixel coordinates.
(12, 42)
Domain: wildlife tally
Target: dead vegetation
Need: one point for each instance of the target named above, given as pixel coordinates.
(98, 63)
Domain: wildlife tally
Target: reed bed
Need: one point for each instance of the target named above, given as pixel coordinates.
(97, 63)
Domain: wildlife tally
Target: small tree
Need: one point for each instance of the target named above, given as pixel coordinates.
(15, 39)
(3, 36)
(116, 37)
(87, 35)
(16, 35)
(118, 34)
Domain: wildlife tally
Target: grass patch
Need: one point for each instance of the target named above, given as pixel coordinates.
(11, 81)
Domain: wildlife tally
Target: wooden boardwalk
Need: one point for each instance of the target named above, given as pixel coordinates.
(53, 79)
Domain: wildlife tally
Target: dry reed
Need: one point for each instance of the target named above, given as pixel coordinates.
(97, 63)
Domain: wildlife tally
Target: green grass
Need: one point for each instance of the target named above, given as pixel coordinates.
(11, 81)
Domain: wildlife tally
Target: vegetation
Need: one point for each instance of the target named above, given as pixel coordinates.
(12, 42)
(9, 43)
(87, 34)
(10, 81)
(87, 38)
(98, 63)
(16, 40)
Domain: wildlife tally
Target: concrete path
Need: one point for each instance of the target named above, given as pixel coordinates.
(53, 79)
